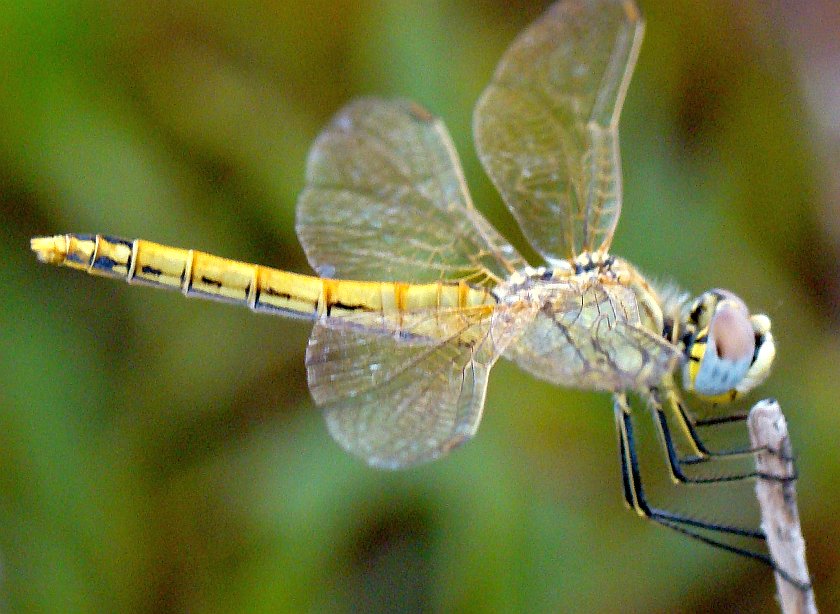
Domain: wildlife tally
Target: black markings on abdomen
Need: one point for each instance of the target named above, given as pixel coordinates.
(74, 257)
(345, 307)
(211, 282)
(118, 240)
(272, 292)
(104, 263)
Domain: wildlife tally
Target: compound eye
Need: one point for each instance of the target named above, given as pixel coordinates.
(731, 331)
(722, 357)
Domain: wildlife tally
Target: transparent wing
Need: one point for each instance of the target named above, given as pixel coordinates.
(397, 400)
(635, 359)
(593, 338)
(385, 199)
(546, 128)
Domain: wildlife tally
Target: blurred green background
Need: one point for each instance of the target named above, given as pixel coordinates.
(161, 455)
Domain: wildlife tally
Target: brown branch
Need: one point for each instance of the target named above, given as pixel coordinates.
(779, 515)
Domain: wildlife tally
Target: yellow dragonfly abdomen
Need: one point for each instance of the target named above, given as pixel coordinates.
(385, 305)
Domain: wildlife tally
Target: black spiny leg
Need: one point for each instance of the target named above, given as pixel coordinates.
(635, 498)
(701, 453)
(675, 462)
(627, 485)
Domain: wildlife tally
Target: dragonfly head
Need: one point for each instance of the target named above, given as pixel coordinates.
(729, 350)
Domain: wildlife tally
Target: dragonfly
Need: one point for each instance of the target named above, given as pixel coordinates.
(417, 295)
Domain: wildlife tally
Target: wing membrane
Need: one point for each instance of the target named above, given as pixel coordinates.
(546, 127)
(397, 400)
(385, 199)
(425, 401)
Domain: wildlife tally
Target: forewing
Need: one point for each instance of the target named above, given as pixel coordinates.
(546, 128)
(398, 400)
(385, 199)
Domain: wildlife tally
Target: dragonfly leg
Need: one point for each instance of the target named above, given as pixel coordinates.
(675, 463)
(635, 499)
(700, 453)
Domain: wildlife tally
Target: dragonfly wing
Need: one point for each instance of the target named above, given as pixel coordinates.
(636, 358)
(385, 199)
(593, 338)
(546, 128)
(404, 398)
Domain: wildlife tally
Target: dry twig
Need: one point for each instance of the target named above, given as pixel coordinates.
(779, 515)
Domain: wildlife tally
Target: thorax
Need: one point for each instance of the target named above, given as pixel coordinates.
(595, 321)
(623, 293)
